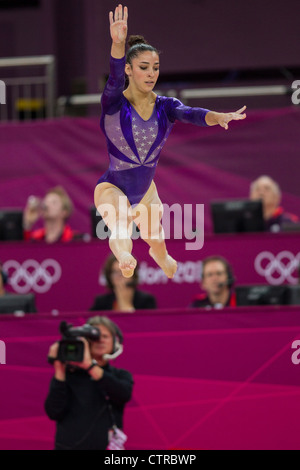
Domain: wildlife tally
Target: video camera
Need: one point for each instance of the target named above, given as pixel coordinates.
(71, 347)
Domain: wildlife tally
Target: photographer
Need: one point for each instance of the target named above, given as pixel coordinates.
(87, 398)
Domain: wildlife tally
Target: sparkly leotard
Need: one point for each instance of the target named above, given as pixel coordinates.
(134, 145)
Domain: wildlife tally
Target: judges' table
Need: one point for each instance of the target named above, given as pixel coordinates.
(227, 379)
(66, 276)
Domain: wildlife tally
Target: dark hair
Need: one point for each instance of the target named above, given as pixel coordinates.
(136, 45)
(227, 266)
(107, 269)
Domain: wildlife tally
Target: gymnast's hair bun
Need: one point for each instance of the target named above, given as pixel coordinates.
(133, 40)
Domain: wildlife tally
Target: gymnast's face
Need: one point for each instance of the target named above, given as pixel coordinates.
(144, 71)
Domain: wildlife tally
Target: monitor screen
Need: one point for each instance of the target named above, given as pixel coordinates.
(11, 224)
(19, 3)
(262, 295)
(235, 216)
(100, 229)
(294, 295)
(12, 303)
(290, 227)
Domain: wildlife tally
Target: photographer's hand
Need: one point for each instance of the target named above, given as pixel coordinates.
(59, 367)
(87, 358)
(95, 372)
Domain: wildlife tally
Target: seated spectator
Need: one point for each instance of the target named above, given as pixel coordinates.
(217, 282)
(124, 295)
(3, 280)
(266, 189)
(54, 209)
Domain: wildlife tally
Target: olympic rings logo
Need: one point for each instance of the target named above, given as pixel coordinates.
(32, 275)
(278, 269)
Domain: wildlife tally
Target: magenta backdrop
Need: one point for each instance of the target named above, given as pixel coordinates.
(66, 276)
(222, 380)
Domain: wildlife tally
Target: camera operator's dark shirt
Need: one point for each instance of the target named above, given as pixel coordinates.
(80, 408)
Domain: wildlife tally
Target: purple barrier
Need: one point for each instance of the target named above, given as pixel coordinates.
(66, 276)
(221, 380)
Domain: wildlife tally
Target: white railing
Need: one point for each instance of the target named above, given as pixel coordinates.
(76, 100)
(269, 90)
(184, 95)
(30, 96)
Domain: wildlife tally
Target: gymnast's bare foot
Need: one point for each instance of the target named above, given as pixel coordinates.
(127, 264)
(166, 263)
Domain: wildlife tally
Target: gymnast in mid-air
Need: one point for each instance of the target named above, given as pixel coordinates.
(136, 123)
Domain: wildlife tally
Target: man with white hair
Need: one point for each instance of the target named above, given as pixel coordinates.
(266, 189)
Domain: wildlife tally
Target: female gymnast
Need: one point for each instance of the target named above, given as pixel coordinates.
(136, 123)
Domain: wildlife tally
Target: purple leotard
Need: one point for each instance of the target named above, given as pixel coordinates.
(134, 145)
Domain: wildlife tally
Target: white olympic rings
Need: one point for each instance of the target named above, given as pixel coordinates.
(277, 269)
(32, 275)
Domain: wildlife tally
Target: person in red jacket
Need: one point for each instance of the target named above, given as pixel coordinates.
(55, 209)
(217, 281)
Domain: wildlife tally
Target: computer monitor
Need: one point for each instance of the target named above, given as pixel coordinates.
(11, 224)
(12, 303)
(7, 4)
(262, 295)
(100, 229)
(290, 227)
(235, 216)
(294, 295)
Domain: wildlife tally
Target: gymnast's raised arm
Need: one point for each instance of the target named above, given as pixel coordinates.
(118, 31)
(113, 91)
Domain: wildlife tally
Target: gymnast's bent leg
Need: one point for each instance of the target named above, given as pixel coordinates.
(114, 207)
(147, 215)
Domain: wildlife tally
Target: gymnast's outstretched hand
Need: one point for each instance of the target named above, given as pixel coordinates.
(118, 24)
(223, 119)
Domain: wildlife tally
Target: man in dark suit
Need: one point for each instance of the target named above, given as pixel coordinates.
(124, 295)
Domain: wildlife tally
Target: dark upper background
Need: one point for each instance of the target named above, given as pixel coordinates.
(195, 37)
